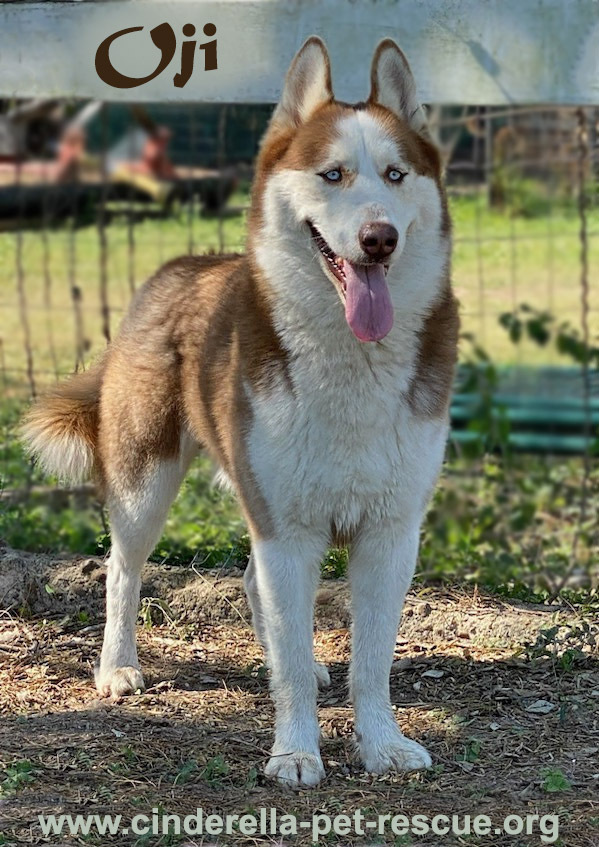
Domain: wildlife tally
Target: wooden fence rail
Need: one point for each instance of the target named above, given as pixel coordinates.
(485, 52)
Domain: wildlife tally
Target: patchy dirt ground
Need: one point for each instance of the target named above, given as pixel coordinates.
(511, 729)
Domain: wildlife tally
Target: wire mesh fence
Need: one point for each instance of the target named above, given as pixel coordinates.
(94, 197)
(89, 210)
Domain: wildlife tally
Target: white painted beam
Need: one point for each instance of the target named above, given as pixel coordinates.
(461, 51)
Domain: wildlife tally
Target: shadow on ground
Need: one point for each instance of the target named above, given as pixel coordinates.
(510, 731)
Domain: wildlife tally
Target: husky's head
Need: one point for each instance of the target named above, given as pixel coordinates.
(350, 188)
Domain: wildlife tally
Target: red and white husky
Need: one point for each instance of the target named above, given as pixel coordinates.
(316, 371)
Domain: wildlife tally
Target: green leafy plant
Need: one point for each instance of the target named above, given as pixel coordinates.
(185, 772)
(563, 645)
(471, 751)
(479, 379)
(215, 770)
(16, 776)
(543, 328)
(555, 781)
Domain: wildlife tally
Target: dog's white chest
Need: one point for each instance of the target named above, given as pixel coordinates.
(344, 450)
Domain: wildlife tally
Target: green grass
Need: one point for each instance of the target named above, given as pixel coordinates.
(513, 525)
(499, 262)
(509, 525)
(68, 257)
(204, 522)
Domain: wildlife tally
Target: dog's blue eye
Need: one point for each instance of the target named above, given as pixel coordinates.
(394, 175)
(332, 175)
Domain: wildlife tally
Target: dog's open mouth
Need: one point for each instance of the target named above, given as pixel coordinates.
(362, 288)
(334, 262)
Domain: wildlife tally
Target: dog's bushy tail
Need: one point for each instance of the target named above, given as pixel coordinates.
(61, 428)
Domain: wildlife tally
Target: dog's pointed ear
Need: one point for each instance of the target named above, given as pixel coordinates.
(307, 84)
(392, 85)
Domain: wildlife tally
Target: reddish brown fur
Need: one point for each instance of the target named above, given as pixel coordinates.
(430, 388)
(69, 409)
(202, 327)
(301, 148)
(287, 147)
(195, 333)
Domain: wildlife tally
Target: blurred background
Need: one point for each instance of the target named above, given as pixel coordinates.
(95, 196)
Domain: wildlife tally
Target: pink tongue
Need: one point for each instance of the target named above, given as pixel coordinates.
(368, 307)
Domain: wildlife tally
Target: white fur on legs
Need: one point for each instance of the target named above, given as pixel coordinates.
(286, 575)
(321, 672)
(381, 567)
(251, 589)
(136, 518)
(118, 673)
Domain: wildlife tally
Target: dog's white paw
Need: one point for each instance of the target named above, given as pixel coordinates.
(392, 751)
(296, 770)
(321, 673)
(119, 682)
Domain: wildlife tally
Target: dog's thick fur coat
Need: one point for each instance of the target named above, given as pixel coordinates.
(316, 371)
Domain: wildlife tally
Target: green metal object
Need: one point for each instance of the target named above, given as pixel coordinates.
(542, 410)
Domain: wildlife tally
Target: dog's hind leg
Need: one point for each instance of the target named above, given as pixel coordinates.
(251, 589)
(137, 514)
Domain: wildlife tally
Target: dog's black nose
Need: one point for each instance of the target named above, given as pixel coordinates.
(378, 239)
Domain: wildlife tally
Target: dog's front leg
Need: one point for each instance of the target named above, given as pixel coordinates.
(286, 573)
(381, 567)
(323, 679)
